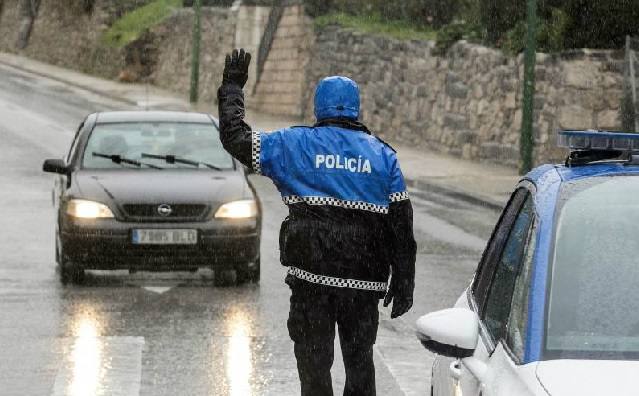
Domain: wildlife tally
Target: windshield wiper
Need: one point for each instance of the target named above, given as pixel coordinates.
(118, 159)
(172, 159)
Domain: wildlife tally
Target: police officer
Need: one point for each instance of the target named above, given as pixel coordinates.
(350, 223)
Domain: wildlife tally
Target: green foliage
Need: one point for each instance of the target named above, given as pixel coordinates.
(454, 32)
(416, 13)
(601, 23)
(500, 16)
(550, 34)
(132, 24)
(374, 24)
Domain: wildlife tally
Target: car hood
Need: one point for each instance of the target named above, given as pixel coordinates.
(589, 377)
(166, 186)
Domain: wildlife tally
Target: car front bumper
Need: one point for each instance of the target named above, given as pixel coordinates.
(107, 244)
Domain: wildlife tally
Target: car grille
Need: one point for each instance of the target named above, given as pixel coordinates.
(179, 212)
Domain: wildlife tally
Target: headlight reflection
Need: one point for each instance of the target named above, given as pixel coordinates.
(239, 359)
(86, 359)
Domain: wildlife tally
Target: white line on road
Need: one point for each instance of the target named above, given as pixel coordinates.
(98, 366)
(157, 289)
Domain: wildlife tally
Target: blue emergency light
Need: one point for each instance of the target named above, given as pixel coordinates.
(595, 140)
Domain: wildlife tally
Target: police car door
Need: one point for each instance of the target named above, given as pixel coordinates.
(491, 295)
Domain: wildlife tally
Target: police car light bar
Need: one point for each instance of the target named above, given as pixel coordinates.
(595, 140)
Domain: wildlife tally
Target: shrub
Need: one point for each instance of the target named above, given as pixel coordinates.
(132, 24)
(451, 33)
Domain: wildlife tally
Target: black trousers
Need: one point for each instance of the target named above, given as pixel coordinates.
(314, 312)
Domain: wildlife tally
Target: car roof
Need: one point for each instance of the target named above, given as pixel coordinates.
(567, 173)
(108, 117)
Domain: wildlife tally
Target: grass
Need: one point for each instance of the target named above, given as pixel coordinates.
(132, 24)
(375, 24)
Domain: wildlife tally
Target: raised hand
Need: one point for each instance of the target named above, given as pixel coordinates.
(236, 67)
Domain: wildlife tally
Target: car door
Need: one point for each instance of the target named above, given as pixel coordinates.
(61, 182)
(492, 292)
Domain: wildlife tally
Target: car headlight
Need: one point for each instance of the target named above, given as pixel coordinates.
(237, 210)
(84, 209)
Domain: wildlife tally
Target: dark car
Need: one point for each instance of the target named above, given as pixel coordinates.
(154, 191)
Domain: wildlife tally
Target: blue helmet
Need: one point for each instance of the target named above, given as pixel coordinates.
(337, 97)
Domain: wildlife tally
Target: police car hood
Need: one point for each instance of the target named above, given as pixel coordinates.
(165, 186)
(589, 377)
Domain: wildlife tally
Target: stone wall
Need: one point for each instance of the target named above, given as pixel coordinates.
(174, 43)
(222, 30)
(67, 35)
(467, 103)
(249, 29)
(283, 81)
(70, 38)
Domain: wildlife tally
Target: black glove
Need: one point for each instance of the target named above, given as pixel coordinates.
(236, 68)
(400, 292)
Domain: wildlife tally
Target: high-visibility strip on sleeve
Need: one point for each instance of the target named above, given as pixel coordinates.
(255, 152)
(398, 196)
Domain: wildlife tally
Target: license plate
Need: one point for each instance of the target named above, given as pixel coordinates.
(164, 237)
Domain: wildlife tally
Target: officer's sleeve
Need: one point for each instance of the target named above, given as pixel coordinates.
(236, 135)
(262, 152)
(400, 215)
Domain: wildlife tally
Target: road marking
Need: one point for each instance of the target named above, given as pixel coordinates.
(400, 351)
(158, 289)
(95, 365)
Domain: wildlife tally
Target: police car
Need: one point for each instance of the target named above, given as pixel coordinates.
(553, 308)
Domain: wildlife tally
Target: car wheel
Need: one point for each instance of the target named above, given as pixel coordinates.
(225, 278)
(249, 274)
(69, 272)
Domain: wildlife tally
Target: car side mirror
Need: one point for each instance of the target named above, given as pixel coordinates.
(55, 166)
(452, 332)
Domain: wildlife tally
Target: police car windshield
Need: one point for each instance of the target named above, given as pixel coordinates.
(593, 308)
(150, 142)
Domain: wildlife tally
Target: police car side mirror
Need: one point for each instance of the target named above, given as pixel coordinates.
(55, 166)
(452, 332)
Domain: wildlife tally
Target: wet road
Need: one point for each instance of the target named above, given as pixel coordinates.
(175, 333)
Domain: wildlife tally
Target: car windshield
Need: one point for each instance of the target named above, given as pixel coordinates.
(194, 145)
(594, 299)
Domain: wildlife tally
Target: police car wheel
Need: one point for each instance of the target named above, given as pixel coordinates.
(225, 278)
(249, 273)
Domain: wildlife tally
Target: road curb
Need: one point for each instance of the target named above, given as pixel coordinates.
(69, 82)
(466, 196)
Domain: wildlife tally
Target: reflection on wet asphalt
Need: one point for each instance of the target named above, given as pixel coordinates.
(174, 333)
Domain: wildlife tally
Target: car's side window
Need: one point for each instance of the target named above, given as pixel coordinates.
(76, 138)
(516, 328)
(500, 292)
(486, 268)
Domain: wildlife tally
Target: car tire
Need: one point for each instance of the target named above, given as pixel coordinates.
(69, 272)
(249, 274)
(224, 278)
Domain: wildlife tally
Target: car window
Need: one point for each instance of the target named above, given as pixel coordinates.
(500, 293)
(485, 270)
(138, 141)
(594, 298)
(74, 143)
(516, 328)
